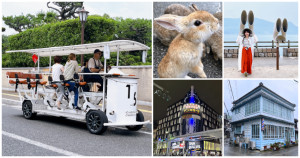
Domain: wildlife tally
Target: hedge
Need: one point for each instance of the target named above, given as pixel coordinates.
(97, 29)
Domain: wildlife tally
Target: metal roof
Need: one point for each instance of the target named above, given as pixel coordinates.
(259, 87)
(123, 45)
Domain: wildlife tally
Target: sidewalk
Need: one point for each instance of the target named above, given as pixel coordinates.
(264, 68)
(230, 150)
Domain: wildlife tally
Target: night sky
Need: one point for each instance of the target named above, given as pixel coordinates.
(210, 91)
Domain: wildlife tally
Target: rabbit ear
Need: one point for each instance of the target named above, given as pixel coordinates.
(193, 7)
(284, 25)
(277, 28)
(171, 22)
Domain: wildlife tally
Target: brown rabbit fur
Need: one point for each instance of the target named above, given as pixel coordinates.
(185, 51)
(177, 9)
(164, 35)
(215, 43)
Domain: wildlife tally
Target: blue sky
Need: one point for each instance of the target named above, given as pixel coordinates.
(269, 11)
(120, 9)
(288, 89)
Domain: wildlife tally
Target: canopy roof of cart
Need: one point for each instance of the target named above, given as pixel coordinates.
(114, 46)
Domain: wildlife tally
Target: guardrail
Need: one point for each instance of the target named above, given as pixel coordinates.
(273, 44)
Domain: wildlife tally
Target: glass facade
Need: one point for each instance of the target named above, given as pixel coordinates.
(276, 110)
(255, 131)
(174, 124)
(274, 132)
(252, 107)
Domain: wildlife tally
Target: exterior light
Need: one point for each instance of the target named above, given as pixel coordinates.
(83, 14)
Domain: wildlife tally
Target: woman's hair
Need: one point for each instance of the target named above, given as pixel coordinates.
(71, 57)
(247, 30)
(57, 59)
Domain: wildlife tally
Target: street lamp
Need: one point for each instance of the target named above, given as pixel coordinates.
(83, 14)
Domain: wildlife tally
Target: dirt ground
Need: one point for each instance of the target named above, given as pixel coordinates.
(264, 68)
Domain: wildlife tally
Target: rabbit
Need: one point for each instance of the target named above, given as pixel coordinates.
(244, 21)
(215, 44)
(280, 27)
(177, 9)
(166, 36)
(185, 51)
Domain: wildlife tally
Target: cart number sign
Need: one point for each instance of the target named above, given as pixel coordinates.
(134, 96)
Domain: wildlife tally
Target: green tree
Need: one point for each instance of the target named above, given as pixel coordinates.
(62, 33)
(66, 10)
(5, 43)
(21, 22)
(18, 23)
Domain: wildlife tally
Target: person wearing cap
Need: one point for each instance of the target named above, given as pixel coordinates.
(94, 66)
(246, 43)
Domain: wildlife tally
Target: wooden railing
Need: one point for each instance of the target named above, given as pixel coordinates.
(272, 44)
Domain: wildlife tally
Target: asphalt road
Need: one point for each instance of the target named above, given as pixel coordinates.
(55, 136)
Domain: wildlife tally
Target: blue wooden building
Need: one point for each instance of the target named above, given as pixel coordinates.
(264, 117)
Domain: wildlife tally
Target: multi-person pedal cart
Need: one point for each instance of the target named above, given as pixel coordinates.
(118, 102)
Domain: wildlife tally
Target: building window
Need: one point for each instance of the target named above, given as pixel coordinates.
(276, 132)
(255, 131)
(252, 107)
(237, 111)
(276, 109)
(203, 115)
(238, 129)
(272, 131)
(281, 132)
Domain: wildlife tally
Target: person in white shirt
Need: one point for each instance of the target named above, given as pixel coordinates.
(94, 66)
(246, 51)
(71, 68)
(57, 70)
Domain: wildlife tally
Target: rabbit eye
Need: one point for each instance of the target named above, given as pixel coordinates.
(197, 23)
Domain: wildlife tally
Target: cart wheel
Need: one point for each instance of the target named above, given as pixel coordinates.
(27, 110)
(95, 120)
(139, 118)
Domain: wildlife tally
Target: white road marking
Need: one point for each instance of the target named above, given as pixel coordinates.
(18, 101)
(20, 108)
(134, 131)
(39, 144)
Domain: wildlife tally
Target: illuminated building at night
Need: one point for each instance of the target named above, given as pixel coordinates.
(190, 126)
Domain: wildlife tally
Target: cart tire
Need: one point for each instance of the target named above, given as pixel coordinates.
(27, 110)
(139, 118)
(95, 120)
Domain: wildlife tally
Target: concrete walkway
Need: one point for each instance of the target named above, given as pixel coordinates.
(264, 68)
(230, 150)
